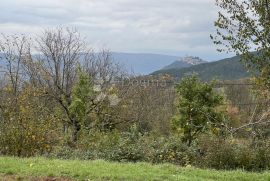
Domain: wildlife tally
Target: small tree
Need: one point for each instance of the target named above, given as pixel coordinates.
(91, 108)
(196, 105)
(82, 99)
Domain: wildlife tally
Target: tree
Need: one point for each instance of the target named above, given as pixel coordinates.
(14, 50)
(196, 103)
(53, 71)
(83, 96)
(28, 127)
(243, 27)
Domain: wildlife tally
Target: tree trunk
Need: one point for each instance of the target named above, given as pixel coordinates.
(76, 129)
(189, 140)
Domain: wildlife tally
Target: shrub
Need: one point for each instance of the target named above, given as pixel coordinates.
(112, 146)
(233, 154)
(130, 147)
(262, 156)
(66, 152)
(128, 151)
(27, 138)
(171, 150)
(209, 152)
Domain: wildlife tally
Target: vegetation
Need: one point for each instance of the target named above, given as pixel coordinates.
(243, 27)
(226, 69)
(196, 106)
(69, 102)
(101, 170)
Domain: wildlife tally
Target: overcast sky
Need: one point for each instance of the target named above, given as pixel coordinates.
(175, 27)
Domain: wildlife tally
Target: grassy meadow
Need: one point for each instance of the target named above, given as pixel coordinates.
(12, 168)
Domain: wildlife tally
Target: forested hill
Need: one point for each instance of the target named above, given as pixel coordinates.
(225, 69)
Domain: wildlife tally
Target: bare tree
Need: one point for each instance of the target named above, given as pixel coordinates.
(13, 50)
(61, 51)
(103, 69)
(53, 69)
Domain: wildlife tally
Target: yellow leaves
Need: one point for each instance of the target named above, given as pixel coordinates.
(28, 126)
(8, 89)
(265, 71)
(248, 129)
(31, 164)
(113, 90)
(171, 155)
(22, 109)
(232, 141)
(179, 130)
(216, 131)
(33, 137)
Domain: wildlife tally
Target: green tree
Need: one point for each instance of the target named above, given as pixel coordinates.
(243, 27)
(196, 103)
(82, 99)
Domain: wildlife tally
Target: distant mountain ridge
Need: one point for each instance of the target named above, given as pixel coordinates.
(187, 61)
(225, 69)
(145, 63)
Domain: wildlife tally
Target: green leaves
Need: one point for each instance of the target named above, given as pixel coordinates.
(81, 94)
(196, 105)
(243, 28)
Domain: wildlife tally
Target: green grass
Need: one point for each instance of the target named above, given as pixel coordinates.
(101, 170)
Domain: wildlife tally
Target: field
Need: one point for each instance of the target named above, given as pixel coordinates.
(45, 169)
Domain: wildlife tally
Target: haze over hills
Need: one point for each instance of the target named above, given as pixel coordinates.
(177, 67)
(145, 63)
(225, 69)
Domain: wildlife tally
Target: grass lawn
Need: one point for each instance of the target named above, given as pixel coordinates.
(45, 169)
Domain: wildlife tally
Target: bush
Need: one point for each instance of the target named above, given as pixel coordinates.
(129, 147)
(66, 152)
(27, 138)
(262, 156)
(233, 154)
(127, 150)
(209, 152)
(170, 150)
(112, 146)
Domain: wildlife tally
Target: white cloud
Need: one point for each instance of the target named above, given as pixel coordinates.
(158, 26)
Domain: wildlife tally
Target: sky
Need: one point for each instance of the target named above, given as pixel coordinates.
(173, 27)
